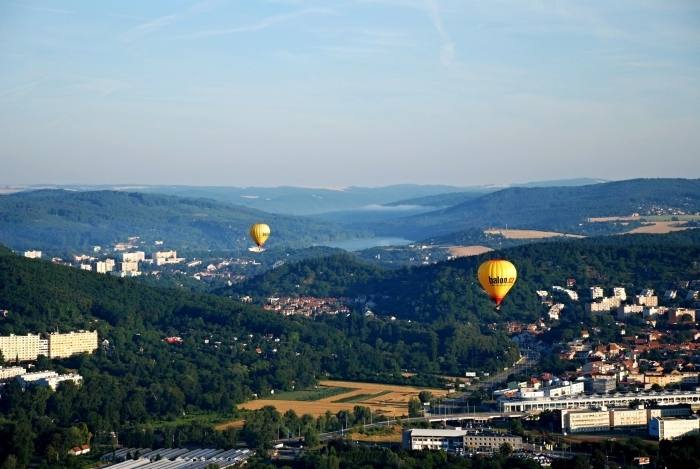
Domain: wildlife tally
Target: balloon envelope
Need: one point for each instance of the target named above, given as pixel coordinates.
(497, 277)
(259, 232)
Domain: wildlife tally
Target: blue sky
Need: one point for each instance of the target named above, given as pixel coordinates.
(334, 93)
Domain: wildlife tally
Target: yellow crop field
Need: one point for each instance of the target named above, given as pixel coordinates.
(385, 399)
(659, 227)
(466, 251)
(529, 234)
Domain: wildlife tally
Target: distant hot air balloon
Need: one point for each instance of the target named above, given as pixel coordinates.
(259, 232)
(497, 277)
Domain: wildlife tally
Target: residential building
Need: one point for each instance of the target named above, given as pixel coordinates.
(597, 292)
(674, 377)
(670, 428)
(137, 256)
(568, 389)
(11, 372)
(677, 315)
(650, 301)
(670, 294)
(19, 347)
(604, 305)
(65, 345)
(102, 267)
(166, 257)
(627, 310)
(130, 266)
(32, 254)
(87, 267)
(619, 292)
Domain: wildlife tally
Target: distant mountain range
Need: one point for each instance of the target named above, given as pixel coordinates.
(60, 221)
(303, 200)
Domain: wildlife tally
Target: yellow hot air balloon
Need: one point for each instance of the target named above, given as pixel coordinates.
(497, 277)
(259, 232)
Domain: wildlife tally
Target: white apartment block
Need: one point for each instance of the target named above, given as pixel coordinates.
(597, 292)
(19, 347)
(65, 345)
(29, 347)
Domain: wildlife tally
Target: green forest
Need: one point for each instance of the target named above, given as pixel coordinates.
(68, 221)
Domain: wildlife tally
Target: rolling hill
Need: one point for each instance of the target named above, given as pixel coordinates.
(59, 221)
(449, 291)
(561, 209)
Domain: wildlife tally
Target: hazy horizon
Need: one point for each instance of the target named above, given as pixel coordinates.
(347, 92)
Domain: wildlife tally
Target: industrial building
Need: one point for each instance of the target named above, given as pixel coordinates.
(603, 420)
(670, 428)
(166, 458)
(457, 440)
(537, 405)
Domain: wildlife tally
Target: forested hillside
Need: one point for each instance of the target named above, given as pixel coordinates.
(553, 208)
(57, 221)
(449, 291)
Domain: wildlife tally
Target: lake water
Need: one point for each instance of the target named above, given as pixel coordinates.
(358, 244)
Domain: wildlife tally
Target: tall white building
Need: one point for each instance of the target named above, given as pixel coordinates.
(597, 292)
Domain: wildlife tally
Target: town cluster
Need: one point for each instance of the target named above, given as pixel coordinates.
(307, 306)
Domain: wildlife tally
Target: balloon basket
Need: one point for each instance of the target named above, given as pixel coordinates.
(256, 249)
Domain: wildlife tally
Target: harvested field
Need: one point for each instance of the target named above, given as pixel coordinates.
(466, 251)
(386, 399)
(529, 234)
(660, 227)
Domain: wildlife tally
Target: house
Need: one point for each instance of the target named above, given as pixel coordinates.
(79, 450)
